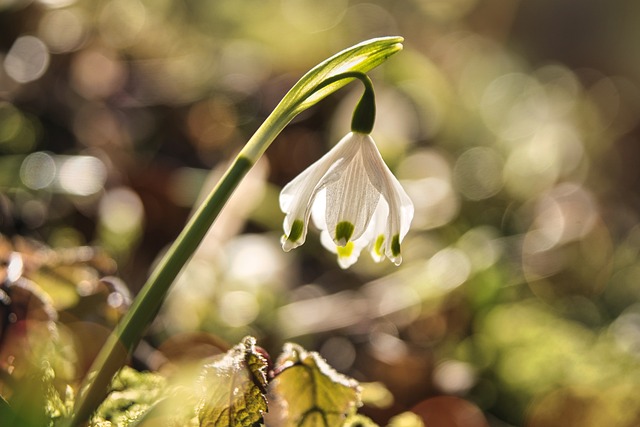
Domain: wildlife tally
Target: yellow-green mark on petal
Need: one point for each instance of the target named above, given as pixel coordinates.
(377, 247)
(395, 245)
(296, 230)
(345, 251)
(344, 231)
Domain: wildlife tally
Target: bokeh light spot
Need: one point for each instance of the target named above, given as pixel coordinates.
(121, 211)
(514, 106)
(19, 132)
(38, 171)
(448, 269)
(57, 3)
(454, 377)
(211, 124)
(482, 247)
(311, 16)
(97, 74)
(446, 10)
(567, 212)
(238, 308)
(82, 175)
(255, 260)
(339, 352)
(428, 176)
(478, 173)
(62, 30)
(27, 60)
(121, 22)
(626, 330)
(386, 345)
(450, 411)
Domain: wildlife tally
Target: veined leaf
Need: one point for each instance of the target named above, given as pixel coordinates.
(307, 392)
(234, 388)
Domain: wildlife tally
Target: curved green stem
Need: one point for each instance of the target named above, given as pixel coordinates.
(325, 78)
(364, 115)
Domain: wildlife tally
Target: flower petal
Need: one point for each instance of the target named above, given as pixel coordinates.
(400, 205)
(351, 199)
(354, 200)
(377, 238)
(297, 197)
(347, 254)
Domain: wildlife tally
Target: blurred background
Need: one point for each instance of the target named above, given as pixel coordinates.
(513, 125)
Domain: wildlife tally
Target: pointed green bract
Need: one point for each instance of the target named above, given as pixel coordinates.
(344, 231)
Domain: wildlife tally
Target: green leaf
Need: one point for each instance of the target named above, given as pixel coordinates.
(307, 392)
(234, 388)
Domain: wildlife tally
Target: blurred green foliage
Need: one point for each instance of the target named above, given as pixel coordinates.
(513, 126)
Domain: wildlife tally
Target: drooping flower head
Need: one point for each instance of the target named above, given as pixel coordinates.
(352, 196)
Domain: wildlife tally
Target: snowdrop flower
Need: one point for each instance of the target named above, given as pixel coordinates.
(354, 200)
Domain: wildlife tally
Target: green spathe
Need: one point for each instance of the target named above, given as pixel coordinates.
(309, 90)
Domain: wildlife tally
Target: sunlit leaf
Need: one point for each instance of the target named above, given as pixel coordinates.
(234, 388)
(307, 392)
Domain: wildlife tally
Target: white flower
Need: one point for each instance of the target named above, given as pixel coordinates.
(354, 200)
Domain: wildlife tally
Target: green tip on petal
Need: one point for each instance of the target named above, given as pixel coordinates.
(296, 230)
(344, 231)
(395, 245)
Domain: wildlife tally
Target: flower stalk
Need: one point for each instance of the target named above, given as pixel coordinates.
(324, 79)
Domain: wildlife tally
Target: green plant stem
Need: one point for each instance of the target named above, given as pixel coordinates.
(318, 83)
(129, 331)
(147, 303)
